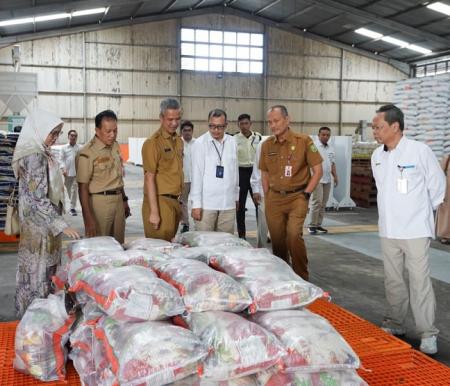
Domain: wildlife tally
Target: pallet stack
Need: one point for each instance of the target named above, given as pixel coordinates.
(363, 189)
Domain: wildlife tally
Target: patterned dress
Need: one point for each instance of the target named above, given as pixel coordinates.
(41, 225)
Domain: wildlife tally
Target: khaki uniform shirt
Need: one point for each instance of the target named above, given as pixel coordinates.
(247, 148)
(100, 166)
(162, 155)
(288, 163)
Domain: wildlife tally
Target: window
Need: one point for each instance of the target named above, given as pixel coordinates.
(432, 68)
(221, 51)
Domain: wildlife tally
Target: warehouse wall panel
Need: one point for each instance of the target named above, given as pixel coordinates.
(130, 69)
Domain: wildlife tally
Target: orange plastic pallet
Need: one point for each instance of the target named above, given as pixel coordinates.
(364, 337)
(11, 377)
(408, 368)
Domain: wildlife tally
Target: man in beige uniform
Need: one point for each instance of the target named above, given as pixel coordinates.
(286, 161)
(100, 181)
(162, 156)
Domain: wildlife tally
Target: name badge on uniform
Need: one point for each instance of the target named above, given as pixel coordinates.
(219, 171)
(288, 171)
(402, 185)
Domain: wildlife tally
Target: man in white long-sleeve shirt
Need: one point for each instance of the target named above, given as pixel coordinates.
(410, 185)
(186, 131)
(68, 155)
(258, 196)
(215, 177)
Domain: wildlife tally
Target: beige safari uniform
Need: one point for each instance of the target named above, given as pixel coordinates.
(162, 155)
(100, 166)
(288, 165)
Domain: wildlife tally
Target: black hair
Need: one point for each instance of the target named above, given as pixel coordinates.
(324, 128)
(186, 124)
(393, 114)
(216, 113)
(72, 131)
(243, 116)
(107, 114)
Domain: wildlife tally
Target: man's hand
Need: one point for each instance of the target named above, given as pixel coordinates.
(335, 181)
(72, 233)
(257, 198)
(127, 209)
(64, 172)
(155, 220)
(196, 214)
(89, 228)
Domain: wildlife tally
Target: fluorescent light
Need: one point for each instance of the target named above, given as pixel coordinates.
(395, 41)
(92, 11)
(369, 33)
(55, 16)
(16, 21)
(419, 49)
(440, 7)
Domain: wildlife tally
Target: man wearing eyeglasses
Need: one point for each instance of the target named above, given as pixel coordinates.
(215, 177)
(68, 155)
(247, 142)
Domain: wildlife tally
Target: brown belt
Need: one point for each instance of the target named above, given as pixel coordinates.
(284, 192)
(110, 192)
(171, 196)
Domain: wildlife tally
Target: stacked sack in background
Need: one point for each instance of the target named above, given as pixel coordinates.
(425, 103)
(209, 310)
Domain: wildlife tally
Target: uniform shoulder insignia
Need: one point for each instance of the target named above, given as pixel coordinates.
(83, 155)
(313, 148)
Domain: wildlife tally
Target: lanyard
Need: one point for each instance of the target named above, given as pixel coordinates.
(217, 151)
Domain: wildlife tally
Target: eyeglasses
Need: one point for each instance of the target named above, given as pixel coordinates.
(217, 127)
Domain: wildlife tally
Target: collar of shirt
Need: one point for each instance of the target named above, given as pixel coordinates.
(250, 137)
(289, 137)
(167, 135)
(211, 139)
(400, 145)
(99, 145)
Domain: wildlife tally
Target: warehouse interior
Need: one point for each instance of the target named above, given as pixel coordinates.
(331, 63)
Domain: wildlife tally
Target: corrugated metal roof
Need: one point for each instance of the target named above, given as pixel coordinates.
(329, 20)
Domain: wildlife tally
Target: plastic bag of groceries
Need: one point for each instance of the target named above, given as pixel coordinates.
(88, 354)
(194, 253)
(79, 248)
(150, 353)
(41, 337)
(238, 347)
(129, 293)
(205, 239)
(311, 342)
(194, 380)
(203, 288)
(271, 282)
(145, 244)
(114, 259)
(60, 277)
(327, 378)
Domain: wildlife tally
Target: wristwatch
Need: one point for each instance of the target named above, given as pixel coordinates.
(307, 195)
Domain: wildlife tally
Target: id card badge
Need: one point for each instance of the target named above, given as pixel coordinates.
(402, 185)
(288, 171)
(219, 171)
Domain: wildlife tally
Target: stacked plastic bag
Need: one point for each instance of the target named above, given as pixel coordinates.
(41, 337)
(425, 103)
(213, 312)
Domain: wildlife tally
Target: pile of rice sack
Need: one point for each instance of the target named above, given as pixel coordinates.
(209, 310)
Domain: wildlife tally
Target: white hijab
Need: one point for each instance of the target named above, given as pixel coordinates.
(35, 130)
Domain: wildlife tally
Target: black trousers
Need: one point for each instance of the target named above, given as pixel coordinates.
(245, 174)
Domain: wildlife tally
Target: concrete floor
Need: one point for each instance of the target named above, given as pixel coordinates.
(346, 263)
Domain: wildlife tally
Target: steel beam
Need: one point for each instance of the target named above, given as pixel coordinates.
(265, 8)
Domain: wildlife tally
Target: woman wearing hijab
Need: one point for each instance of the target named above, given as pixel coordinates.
(443, 213)
(41, 198)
